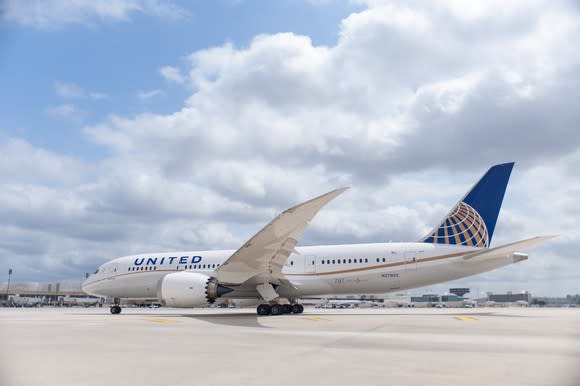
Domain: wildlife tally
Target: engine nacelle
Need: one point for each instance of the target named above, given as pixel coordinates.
(189, 289)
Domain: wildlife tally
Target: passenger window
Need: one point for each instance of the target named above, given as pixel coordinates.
(384, 260)
(366, 260)
(291, 263)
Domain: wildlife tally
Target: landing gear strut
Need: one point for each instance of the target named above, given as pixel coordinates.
(115, 308)
(279, 309)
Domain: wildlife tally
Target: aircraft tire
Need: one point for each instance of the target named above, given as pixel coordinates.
(116, 309)
(286, 308)
(277, 309)
(297, 308)
(264, 309)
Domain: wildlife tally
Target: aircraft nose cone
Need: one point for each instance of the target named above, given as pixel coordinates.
(88, 287)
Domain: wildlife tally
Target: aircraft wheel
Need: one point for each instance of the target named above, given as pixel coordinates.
(286, 308)
(297, 308)
(277, 309)
(264, 309)
(116, 309)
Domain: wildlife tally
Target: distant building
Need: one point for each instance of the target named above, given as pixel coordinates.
(426, 300)
(459, 291)
(510, 297)
(47, 290)
(568, 301)
(451, 298)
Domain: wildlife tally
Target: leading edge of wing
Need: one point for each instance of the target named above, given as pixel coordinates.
(509, 248)
(254, 257)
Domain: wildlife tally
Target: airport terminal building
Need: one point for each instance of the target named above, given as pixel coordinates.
(35, 293)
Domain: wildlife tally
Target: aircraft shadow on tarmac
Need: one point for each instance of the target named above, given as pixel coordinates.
(249, 319)
(252, 320)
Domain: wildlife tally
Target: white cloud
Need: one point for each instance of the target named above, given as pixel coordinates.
(97, 95)
(69, 90)
(147, 95)
(65, 110)
(23, 163)
(50, 14)
(172, 74)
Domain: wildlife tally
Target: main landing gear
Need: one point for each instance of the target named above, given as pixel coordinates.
(279, 309)
(115, 308)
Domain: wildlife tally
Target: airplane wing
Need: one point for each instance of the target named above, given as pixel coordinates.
(507, 249)
(264, 255)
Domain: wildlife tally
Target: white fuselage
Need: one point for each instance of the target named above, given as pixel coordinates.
(314, 270)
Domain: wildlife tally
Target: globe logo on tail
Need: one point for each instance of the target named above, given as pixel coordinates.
(463, 226)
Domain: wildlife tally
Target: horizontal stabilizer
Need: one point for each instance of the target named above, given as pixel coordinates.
(508, 249)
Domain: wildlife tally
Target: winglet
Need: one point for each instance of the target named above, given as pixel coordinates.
(318, 202)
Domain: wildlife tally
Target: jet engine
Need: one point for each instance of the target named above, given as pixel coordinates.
(189, 289)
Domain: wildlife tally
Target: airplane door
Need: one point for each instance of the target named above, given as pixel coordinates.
(310, 264)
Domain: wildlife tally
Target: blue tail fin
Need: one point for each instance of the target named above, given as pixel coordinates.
(472, 221)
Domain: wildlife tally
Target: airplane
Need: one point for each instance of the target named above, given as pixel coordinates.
(274, 272)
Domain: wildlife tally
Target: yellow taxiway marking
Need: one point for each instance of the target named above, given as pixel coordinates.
(466, 318)
(159, 320)
(317, 319)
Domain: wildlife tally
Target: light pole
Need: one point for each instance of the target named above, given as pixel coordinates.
(8, 287)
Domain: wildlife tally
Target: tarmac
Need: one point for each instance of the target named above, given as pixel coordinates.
(76, 346)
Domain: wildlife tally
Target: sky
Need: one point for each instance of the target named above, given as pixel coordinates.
(136, 126)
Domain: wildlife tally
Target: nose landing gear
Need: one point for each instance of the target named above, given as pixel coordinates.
(115, 308)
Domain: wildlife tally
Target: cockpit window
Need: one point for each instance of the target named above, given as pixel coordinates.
(97, 271)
